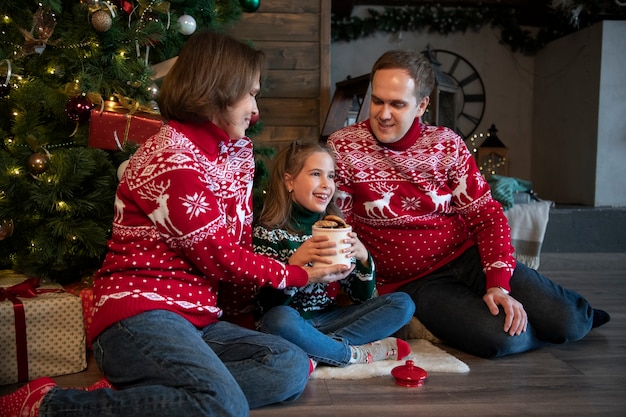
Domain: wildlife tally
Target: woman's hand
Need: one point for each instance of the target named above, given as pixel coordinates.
(314, 249)
(326, 274)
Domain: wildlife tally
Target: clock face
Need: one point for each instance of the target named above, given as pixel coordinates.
(470, 95)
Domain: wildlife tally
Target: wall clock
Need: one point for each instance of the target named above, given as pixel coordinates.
(470, 92)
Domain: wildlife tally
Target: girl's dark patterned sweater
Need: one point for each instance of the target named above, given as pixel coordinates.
(280, 244)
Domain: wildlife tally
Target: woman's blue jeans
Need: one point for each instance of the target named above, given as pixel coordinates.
(164, 366)
(327, 337)
(449, 303)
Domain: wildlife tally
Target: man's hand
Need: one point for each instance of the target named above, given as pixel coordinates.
(516, 319)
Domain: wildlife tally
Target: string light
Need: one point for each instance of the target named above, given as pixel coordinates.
(490, 164)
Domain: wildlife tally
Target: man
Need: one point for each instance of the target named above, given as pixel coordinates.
(418, 202)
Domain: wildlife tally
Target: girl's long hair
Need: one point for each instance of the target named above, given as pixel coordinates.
(278, 204)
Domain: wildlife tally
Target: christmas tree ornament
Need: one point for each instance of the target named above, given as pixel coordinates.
(101, 20)
(250, 6)
(44, 21)
(38, 163)
(153, 91)
(186, 24)
(153, 106)
(90, 2)
(6, 228)
(5, 87)
(78, 108)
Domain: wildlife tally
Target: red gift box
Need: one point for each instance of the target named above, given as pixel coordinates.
(84, 290)
(112, 129)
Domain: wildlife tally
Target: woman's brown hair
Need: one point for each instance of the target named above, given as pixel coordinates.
(212, 71)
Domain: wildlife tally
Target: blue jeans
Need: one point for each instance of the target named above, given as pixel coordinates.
(327, 337)
(449, 303)
(164, 366)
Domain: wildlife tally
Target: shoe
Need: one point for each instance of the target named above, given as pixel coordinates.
(25, 401)
(101, 383)
(600, 317)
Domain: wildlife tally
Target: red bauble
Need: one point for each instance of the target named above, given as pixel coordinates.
(78, 108)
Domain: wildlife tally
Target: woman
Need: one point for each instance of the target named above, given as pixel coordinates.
(182, 231)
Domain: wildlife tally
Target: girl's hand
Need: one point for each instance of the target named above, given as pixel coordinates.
(314, 249)
(356, 249)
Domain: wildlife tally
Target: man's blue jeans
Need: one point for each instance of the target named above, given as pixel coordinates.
(449, 303)
(327, 337)
(164, 366)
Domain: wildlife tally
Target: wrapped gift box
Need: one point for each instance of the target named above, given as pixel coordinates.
(47, 339)
(84, 290)
(112, 129)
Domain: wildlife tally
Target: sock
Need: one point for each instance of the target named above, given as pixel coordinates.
(312, 365)
(389, 348)
(25, 401)
(600, 317)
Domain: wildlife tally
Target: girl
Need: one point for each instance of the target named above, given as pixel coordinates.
(300, 193)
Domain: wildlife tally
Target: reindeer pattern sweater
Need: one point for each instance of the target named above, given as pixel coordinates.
(182, 231)
(419, 203)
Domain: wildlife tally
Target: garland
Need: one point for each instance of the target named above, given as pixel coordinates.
(571, 16)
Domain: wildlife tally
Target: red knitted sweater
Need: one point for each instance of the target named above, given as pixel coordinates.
(419, 203)
(183, 230)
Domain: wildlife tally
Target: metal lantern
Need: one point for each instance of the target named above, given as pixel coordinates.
(443, 99)
(492, 155)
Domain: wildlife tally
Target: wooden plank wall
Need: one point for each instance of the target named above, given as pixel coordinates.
(295, 36)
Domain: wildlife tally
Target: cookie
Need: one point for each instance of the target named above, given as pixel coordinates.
(340, 222)
(326, 224)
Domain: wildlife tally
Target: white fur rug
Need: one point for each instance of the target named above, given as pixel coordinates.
(423, 354)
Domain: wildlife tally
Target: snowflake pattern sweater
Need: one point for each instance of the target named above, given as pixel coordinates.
(419, 203)
(183, 230)
(280, 244)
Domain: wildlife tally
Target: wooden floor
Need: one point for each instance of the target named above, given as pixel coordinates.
(585, 378)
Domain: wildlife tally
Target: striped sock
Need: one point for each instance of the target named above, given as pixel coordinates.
(389, 348)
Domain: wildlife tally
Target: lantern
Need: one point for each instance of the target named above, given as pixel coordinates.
(443, 99)
(491, 155)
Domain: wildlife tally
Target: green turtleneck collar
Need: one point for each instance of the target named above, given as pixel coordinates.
(302, 219)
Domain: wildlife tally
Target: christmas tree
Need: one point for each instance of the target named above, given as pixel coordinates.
(61, 61)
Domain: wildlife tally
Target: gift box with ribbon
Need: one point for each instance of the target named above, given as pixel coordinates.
(84, 290)
(111, 129)
(41, 330)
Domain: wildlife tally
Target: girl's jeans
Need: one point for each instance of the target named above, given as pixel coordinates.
(327, 336)
(164, 366)
(449, 303)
